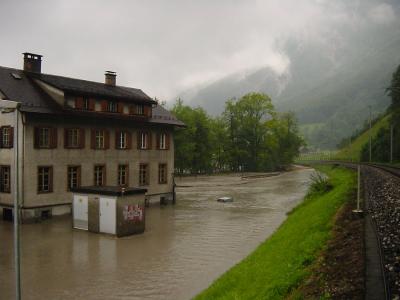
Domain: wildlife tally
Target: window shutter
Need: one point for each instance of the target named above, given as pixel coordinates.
(120, 107)
(158, 140)
(104, 175)
(92, 104)
(50, 179)
(139, 139)
(128, 140)
(147, 174)
(11, 142)
(149, 140)
(66, 138)
(117, 136)
(104, 105)
(82, 138)
(79, 102)
(106, 139)
(36, 137)
(53, 137)
(93, 138)
(167, 140)
(132, 109)
(146, 110)
(78, 175)
(1, 136)
(127, 175)
(1, 178)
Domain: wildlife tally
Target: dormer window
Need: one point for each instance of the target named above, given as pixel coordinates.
(85, 104)
(112, 106)
(140, 109)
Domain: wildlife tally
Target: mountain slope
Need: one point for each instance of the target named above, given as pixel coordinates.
(331, 97)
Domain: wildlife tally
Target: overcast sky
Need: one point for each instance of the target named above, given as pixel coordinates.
(165, 47)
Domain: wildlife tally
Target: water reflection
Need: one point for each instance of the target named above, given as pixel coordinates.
(185, 247)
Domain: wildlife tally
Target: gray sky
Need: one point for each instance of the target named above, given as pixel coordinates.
(165, 47)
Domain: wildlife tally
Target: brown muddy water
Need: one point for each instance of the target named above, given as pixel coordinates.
(184, 248)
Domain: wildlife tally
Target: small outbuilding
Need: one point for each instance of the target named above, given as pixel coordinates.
(109, 209)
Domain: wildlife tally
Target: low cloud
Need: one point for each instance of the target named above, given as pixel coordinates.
(164, 47)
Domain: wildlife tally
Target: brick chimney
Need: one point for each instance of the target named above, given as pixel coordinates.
(111, 78)
(32, 62)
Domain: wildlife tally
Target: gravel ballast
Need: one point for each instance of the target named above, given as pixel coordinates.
(382, 193)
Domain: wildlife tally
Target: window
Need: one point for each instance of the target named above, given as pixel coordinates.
(123, 175)
(99, 139)
(5, 175)
(144, 140)
(6, 136)
(162, 141)
(45, 179)
(143, 174)
(112, 106)
(99, 175)
(121, 141)
(140, 109)
(162, 173)
(74, 177)
(86, 104)
(74, 138)
(45, 137)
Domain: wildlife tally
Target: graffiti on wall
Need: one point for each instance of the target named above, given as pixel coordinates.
(133, 213)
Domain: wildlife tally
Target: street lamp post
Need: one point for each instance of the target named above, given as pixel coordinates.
(370, 134)
(7, 106)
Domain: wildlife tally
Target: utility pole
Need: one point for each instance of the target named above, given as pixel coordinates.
(7, 106)
(391, 142)
(370, 134)
(358, 210)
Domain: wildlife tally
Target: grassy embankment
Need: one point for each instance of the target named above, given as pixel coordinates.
(282, 262)
(353, 151)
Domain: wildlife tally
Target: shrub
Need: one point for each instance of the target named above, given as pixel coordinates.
(319, 184)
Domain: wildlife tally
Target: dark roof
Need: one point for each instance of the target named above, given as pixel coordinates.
(108, 190)
(91, 88)
(34, 100)
(23, 90)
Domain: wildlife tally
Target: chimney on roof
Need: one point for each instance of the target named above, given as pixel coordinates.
(111, 78)
(32, 62)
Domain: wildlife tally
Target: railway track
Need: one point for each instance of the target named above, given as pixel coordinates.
(381, 185)
(390, 169)
(382, 199)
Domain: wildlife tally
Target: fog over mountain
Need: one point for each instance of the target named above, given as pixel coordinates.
(333, 73)
(325, 59)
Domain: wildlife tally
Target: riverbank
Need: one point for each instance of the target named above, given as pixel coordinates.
(282, 263)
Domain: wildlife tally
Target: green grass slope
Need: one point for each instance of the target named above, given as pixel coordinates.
(281, 263)
(353, 151)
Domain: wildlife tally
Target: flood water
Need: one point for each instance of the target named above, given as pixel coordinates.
(184, 248)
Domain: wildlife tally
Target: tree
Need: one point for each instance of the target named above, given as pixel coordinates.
(247, 122)
(192, 144)
(249, 136)
(394, 90)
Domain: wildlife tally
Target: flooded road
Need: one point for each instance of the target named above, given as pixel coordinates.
(184, 248)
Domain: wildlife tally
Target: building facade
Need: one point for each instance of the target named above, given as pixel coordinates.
(74, 133)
